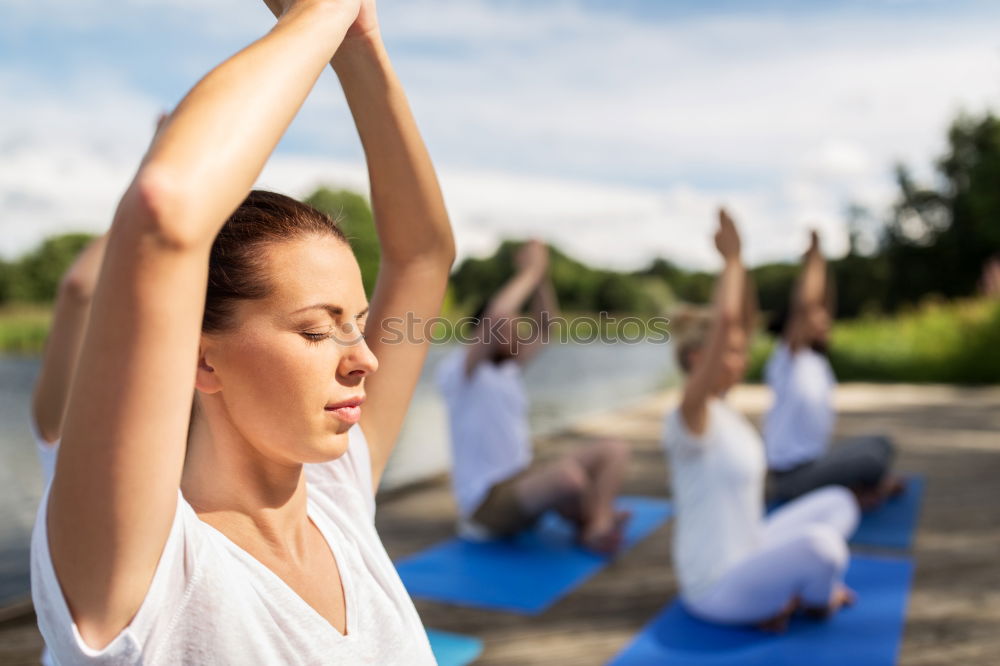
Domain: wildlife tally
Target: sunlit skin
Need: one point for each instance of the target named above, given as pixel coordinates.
(735, 358)
(264, 385)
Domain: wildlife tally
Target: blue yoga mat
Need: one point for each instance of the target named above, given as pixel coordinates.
(892, 525)
(524, 574)
(454, 649)
(866, 634)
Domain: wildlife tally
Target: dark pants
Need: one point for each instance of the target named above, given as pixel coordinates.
(859, 463)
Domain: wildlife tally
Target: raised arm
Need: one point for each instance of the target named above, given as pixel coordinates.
(531, 263)
(69, 321)
(62, 349)
(114, 495)
(810, 295)
(544, 308)
(413, 229)
(729, 318)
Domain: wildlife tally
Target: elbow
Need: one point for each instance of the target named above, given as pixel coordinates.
(77, 288)
(447, 249)
(158, 203)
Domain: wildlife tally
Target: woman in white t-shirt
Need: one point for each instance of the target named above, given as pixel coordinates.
(62, 349)
(734, 565)
(242, 531)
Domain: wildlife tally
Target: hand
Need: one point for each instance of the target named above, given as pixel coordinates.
(727, 239)
(532, 255)
(367, 21)
(813, 244)
(279, 7)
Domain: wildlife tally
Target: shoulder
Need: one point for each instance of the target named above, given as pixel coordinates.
(182, 562)
(677, 436)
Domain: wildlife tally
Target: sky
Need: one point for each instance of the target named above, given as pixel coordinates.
(610, 128)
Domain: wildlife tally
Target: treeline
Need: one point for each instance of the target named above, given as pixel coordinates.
(934, 241)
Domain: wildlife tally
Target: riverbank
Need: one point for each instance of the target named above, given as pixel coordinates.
(946, 433)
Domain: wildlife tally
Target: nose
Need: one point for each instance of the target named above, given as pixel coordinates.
(358, 360)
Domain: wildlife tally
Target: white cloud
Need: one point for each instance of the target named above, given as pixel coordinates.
(610, 135)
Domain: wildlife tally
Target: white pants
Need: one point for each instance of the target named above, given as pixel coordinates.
(803, 553)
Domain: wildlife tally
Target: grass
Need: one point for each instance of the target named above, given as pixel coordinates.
(23, 328)
(948, 342)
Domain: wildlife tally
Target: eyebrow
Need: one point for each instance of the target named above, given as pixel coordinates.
(334, 310)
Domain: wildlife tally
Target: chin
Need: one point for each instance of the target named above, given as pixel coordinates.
(329, 447)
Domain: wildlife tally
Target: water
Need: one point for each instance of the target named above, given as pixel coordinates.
(564, 383)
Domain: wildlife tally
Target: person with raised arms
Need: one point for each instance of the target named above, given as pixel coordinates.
(498, 487)
(799, 426)
(734, 565)
(240, 529)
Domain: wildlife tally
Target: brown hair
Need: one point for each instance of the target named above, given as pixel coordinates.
(692, 325)
(236, 264)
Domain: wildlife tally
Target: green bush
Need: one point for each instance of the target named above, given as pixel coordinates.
(34, 278)
(949, 342)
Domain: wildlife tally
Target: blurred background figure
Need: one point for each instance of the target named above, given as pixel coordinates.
(69, 321)
(498, 490)
(734, 565)
(799, 426)
(62, 348)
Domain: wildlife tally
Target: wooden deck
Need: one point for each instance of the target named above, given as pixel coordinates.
(950, 435)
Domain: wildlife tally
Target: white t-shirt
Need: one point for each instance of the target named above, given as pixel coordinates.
(211, 602)
(798, 427)
(488, 415)
(718, 487)
(47, 452)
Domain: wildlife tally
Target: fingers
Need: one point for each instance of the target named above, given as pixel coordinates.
(724, 218)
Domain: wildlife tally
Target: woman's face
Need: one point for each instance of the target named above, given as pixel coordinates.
(289, 375)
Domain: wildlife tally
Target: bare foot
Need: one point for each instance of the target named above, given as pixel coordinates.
(894, 486)
(779, 623)
(842, 597)
(889, 488)
(608, 539)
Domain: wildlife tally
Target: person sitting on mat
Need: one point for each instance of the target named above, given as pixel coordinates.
(498, 490)
(734, 565)
(798, 427)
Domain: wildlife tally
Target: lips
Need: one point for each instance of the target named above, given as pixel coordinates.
(348, 411)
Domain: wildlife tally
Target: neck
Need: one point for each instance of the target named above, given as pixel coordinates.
(235, 488)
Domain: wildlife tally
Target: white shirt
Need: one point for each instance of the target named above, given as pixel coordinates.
(211, 602)
(488, 416)
(798, 427)
(718, 487)
(47, 452)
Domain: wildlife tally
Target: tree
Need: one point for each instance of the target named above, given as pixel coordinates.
(35, 277)
(354, 216)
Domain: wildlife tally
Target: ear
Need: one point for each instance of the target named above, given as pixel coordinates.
(206, 380)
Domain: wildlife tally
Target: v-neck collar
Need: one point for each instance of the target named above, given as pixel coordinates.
(350, 617)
